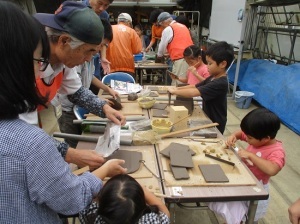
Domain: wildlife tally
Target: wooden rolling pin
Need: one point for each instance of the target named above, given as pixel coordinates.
(171, 134)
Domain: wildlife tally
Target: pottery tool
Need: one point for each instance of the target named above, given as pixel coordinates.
(93, 115)
(219, 159)
(128, 118)
(236, 149)
(154, 174)
(169, 96)
(171, 134)
(202, 139)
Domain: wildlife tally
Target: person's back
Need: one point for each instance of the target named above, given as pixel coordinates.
(125, 44)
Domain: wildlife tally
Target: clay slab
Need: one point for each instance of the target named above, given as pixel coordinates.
(180, 173)
(132, 159)
(213, 173)
(181, 158)
(173, 145)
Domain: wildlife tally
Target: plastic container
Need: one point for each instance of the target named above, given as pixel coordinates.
(138, 57)
(161, 125)
(243, 99)
(146, 102)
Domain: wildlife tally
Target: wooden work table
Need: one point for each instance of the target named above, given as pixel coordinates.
(242, 184)
(148, 64)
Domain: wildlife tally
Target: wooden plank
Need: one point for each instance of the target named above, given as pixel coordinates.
(171, 134)
(238, 175)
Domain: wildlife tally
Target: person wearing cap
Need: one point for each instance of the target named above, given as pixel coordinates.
(124, 45)
(74, 32)
(175, 38)
(86, 74)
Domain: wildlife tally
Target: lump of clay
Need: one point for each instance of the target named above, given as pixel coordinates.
(132, 96)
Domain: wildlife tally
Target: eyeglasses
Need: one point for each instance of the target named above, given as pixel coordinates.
(43, 63)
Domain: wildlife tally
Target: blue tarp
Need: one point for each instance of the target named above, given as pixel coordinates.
(276, 87)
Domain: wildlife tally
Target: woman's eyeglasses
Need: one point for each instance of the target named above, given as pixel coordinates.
(43, 63)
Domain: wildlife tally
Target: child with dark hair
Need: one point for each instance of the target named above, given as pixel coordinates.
(124, 200)
(213, 89)
(258, 128)
(197, 72)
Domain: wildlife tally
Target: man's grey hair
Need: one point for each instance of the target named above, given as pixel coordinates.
(54, 34)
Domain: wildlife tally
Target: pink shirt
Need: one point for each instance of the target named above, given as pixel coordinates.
(201, 70)
(274, 153)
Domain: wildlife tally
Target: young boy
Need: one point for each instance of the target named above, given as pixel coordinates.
(259, 128)
(213, 89)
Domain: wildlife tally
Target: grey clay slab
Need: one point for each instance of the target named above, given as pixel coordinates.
(173, 145)
(180, 173)
(132, 159)
(213, 173)
(181, 158)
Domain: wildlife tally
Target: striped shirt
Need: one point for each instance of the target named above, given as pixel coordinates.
(35, 182)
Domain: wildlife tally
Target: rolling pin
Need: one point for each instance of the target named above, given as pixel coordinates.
(171, 134)
(128, 118)
(123, 140)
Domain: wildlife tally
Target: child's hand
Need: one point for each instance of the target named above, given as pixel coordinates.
(244, 153)
(172, 89)
(113, 93)
(231, 140)
(172, 75)
(113, 167)
(193, 70)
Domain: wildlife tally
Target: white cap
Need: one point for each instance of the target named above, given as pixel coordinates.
(124, 16)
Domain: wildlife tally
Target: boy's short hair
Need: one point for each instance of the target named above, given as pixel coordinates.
(260, 123)
(221, 51)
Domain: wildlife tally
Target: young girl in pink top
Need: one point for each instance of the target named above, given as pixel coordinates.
(258, 128)
(197, 72)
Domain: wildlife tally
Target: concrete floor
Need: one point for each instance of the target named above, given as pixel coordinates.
(284, 187)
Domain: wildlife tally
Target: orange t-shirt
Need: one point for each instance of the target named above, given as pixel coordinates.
(124, 45)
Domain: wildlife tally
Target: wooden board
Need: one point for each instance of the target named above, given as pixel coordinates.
(128, 109)
(238, 175)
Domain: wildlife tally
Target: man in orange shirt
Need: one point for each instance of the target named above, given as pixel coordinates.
(124, 45)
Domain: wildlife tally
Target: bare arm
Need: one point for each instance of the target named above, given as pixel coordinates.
(294, 212)
(84, 157)
(110, 168)
(100, 85)
(194, 71)
(268, 167)
(104, 62)
(185, 92)
(151, 199)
